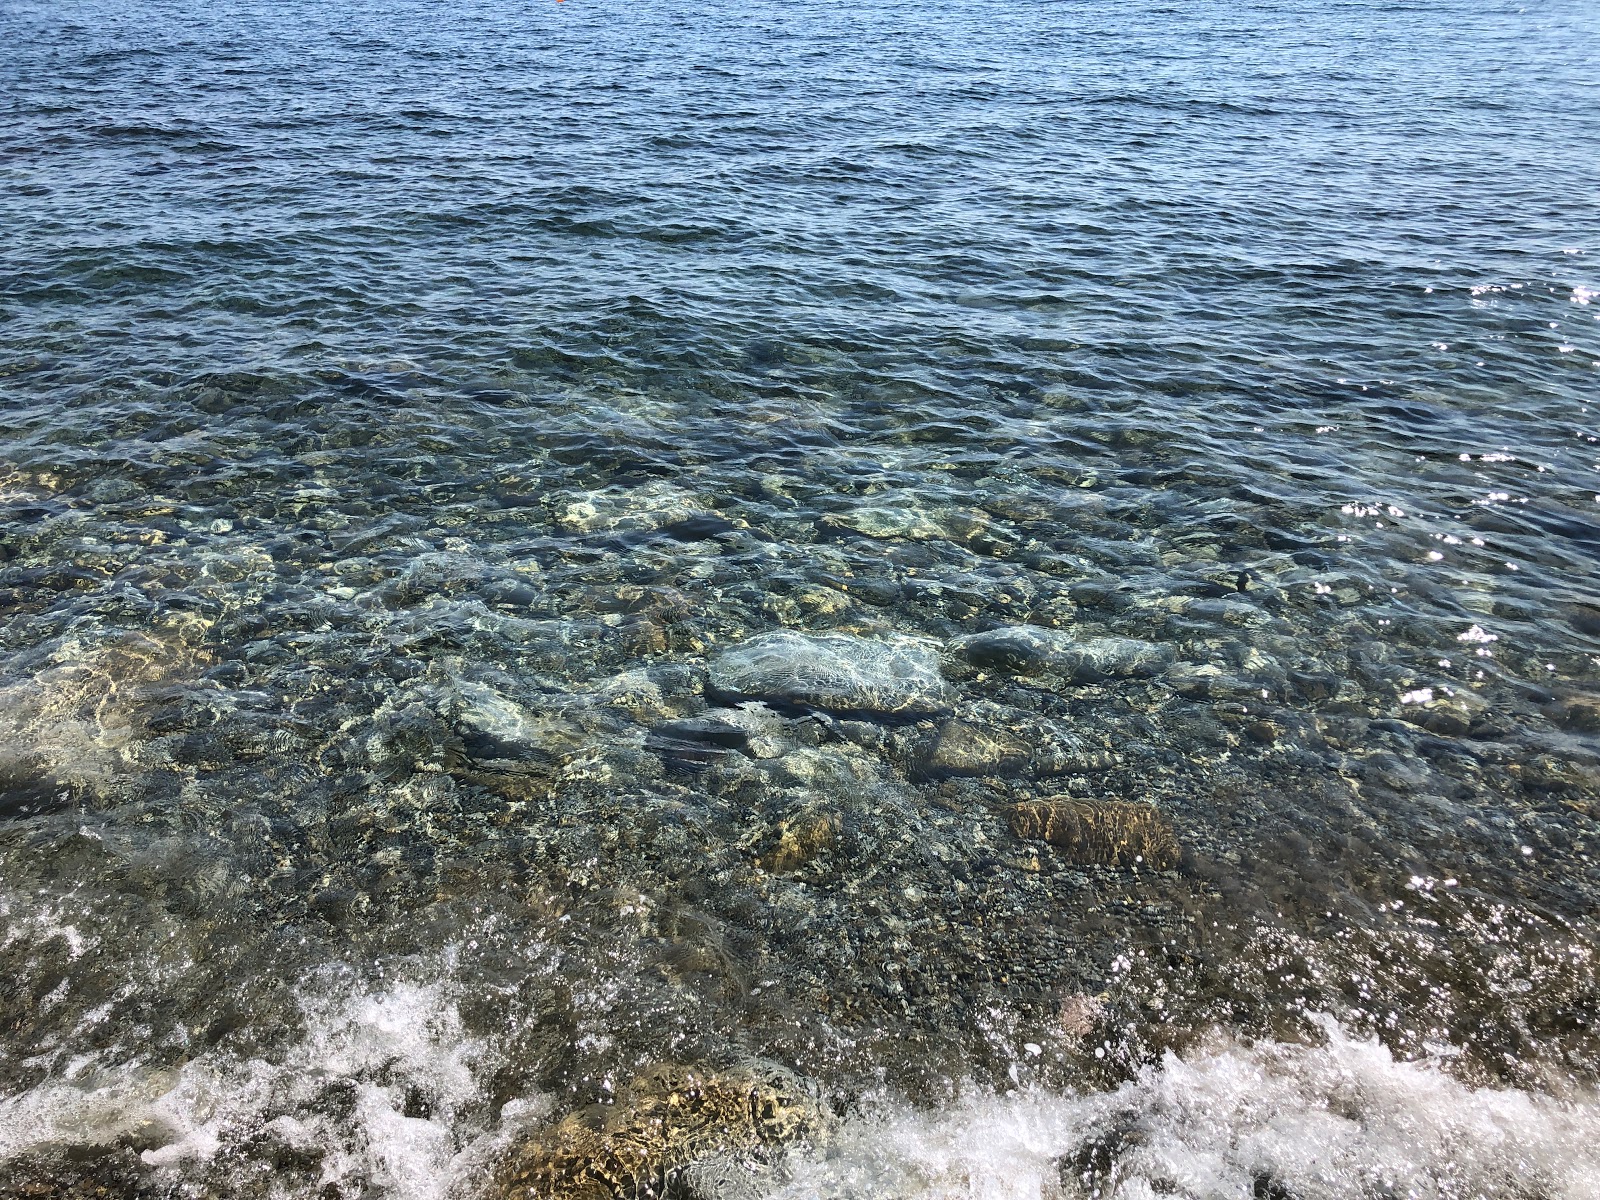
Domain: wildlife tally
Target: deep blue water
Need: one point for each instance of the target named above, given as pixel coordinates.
(406, 408)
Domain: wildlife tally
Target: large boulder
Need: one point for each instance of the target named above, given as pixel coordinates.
(837, 673)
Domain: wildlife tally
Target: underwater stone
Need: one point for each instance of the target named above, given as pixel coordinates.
(663, 1122)
(885, 522)
(1581, 713)
(962, 749)
(836, 673)
(801, 837)
(650, 506)
(1032, 650)
(1452, 712)
(494, 725)
(695, 743)
(899, 516)
(1107, 833)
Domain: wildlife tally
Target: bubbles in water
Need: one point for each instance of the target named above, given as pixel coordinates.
(1342, 1121)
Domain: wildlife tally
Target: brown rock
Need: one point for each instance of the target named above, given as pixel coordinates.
(664, 1121)
(801, 838)
(1108, 833)
(1581, 713)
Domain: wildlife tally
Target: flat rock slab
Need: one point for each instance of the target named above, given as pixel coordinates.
(836, 673)
(1034, 650)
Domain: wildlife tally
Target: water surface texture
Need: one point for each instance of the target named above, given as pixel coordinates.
(808, 600)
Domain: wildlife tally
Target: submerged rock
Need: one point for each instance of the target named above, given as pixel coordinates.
(650, 506)
(799, 838)
(1033, 650)
(1106, 833)
(661, 1126)
(695, 743)
(900, 516)
(836, 673)
(960, 748)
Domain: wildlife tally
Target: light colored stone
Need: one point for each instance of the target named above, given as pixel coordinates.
(897, 676)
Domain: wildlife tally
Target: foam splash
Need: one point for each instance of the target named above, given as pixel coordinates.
(1344, 1120)
(408, 1115)
(1341, 1121)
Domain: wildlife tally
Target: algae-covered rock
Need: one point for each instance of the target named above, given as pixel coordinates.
(800, 838)
(1033, 650)
(897, 677)
(662, 1124)
(1107, 833)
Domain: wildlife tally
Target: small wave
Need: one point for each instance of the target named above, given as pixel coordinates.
(1342, 1121)
(387, 1087)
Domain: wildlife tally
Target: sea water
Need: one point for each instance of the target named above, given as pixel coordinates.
(545, 543)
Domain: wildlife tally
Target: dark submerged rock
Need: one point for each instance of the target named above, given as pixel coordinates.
(695, 743)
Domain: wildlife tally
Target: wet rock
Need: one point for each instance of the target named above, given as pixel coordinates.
(1313, 685)
(661, 1124)
(839, 769)
(902, 516)
(1445, 711)
(1070, 755)
(695, 743)
(652, 695)
(435, 574)
(766, 730)
(1208, 682)
(642, 509)
(959, 748)
(1107, 833)
(884, 521)
(1581, 713)
(493, 725)
(27, 792)
(1556, 772)
(1107, 597)
(799, 838)
(1392, 771)
(837, 673)
(1031, 650)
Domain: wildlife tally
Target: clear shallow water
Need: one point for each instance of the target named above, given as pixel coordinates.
(404, 404)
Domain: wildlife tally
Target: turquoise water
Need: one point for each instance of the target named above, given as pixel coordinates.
(419, 419)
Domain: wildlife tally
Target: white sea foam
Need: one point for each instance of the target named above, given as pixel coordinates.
(381, 1047)
(1343, 1120)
